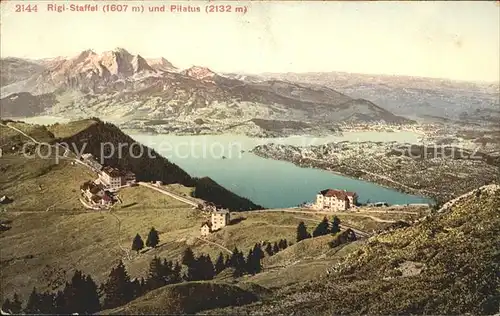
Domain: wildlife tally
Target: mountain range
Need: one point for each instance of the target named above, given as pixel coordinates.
(413, 97)
(152, 93)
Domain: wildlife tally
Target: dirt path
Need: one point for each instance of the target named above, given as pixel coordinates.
(173, 195)
(66, 150)
(312, 212)
(215, 244)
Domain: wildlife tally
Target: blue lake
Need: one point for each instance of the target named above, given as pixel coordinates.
(270, 183)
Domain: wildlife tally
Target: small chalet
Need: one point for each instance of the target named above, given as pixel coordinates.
(335, 200)
(218, 219)
(90, 189)
(206, 228)
(95, 194)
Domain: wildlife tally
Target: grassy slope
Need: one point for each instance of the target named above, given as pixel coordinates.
(445, 264)
(69, 129)
(40, 243)
(186, 298)
(37, 184)
(88, 136)
(44, 247)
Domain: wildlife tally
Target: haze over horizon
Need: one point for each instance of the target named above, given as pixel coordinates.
(451, 40)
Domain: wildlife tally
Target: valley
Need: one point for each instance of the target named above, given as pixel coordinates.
(265, 146)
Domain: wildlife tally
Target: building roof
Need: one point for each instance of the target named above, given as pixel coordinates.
(221, 212)
(92, 187)
(339, 194)
(112, 172)
(86, 185)
(209, 224)
(130, 174)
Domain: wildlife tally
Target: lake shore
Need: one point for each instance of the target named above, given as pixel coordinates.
(438, 178)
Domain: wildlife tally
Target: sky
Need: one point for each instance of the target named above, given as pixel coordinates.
(453, 40)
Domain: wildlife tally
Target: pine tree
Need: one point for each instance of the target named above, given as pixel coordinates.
(176, 273)
(153, 238)
(155, 275)
(60, 303)
(237, 261)
(137, 288)
(80, 295)
(302, 232)
(258, 255)
(192, 273)
(335, 225)
(73, 294)
(240, 264)
(91, 296)
(167, 271)
(117, 289)
(137, 243)
(33, 306)
(219, 264)
(269, 249)
(232, 261)
(47, 303)
(16, 304)
(188, 257)
(207, 268)
(322, 228)
(250, 264)
(276, 248)
(283, 244)
(7, 306)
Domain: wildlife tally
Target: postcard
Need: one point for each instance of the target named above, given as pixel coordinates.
(249, 157)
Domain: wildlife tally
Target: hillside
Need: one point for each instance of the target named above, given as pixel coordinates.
(24, 104)
(114, 148)
(120, 86)
(405, 95)
(186, 298)
(17, 69)
(446, 263)
(51, 234)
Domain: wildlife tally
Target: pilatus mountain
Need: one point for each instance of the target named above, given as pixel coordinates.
(152, 94)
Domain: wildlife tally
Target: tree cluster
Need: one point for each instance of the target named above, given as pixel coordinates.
(152, 241)
(198, 268)
(80, 295)
(272, 249)
(162, 273)
(325, 227)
